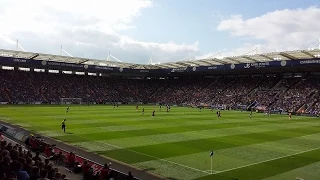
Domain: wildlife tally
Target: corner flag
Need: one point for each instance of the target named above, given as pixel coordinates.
(211, 154)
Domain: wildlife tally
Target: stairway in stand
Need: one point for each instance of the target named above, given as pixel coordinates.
(7, 93)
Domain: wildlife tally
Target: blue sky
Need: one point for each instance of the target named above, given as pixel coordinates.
(166, 30)
(188, 21)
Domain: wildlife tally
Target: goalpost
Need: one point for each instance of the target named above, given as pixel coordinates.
(71, 101)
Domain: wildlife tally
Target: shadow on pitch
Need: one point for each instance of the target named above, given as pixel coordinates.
(69, 133)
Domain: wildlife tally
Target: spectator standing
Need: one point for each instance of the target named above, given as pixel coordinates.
(43, 175)
(21, 174)
(1, 137)
(130, 177)
(105, 172)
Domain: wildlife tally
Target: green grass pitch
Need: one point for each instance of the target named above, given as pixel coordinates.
(176, 145)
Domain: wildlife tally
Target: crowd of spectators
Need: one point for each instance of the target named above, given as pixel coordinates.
(185, 91)
(17, 163)
(38, 161)
(239, 88)
(263, 93)
(297, 94)
(287, 94)
(315, 109)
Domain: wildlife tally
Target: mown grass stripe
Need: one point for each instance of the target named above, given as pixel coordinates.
(191, 135)
(157, 131)
(308, 172)
(171, 136)
(268, 168)
(229, 158)
(167, 150)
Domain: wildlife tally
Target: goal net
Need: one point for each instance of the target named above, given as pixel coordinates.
(71, 100)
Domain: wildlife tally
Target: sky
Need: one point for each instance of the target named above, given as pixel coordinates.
(162, 30)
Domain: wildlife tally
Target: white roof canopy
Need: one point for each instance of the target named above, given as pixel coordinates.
(275, 56)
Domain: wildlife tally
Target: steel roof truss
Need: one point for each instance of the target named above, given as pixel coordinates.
(249, 58)
(287, 56)
(307, 53)
(267, 57)
(209, 62)
(231, 59)
(83, 61)
(34, 56)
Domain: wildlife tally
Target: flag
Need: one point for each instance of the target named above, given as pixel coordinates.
(211, 154)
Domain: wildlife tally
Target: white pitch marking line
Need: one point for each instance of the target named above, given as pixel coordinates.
(195, 169)
(149, 156)
(118, 147)
(182, 164)
(218, 172)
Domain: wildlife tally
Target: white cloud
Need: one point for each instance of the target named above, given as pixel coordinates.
(6, 40)
(280, 30)
(84, 28)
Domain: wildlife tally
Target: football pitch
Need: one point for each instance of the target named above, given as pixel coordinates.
(177, 145)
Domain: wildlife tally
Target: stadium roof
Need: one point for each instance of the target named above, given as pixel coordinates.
(275, 56)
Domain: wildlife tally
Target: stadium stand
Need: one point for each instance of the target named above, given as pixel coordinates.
(298, 95)
(259, 82)
(40, 154)
(17, 162)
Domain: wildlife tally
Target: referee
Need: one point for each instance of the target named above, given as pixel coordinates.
(63, 125)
